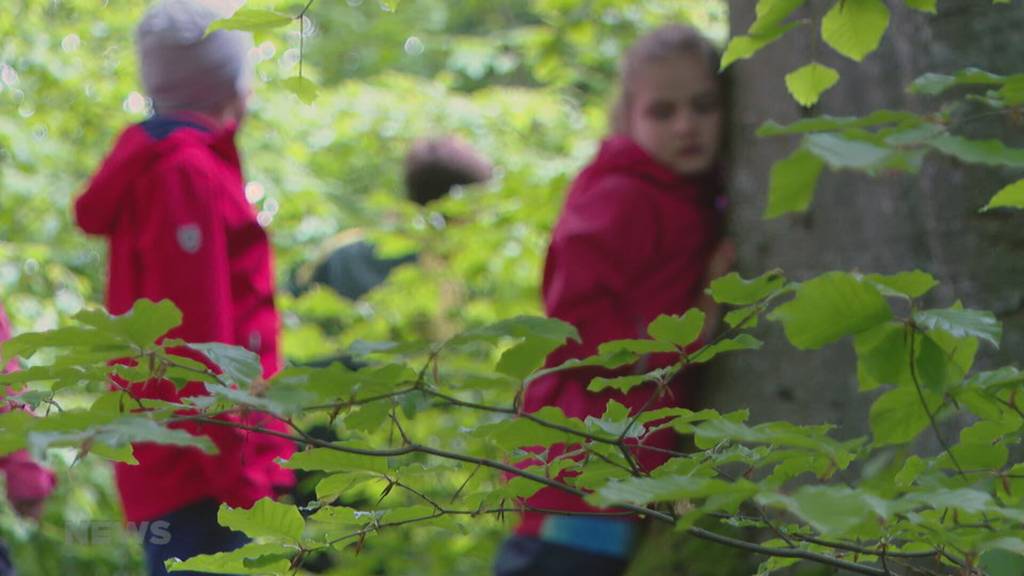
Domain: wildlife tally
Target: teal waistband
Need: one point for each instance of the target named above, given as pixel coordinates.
(608, 536)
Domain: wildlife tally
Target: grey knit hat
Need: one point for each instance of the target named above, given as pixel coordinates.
(182, 67)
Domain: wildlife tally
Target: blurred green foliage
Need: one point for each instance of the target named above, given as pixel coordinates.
(527, 82)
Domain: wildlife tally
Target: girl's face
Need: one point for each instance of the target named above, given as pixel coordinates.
(675, 113)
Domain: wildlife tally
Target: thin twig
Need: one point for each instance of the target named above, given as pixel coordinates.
(648, 512)
(924, 402)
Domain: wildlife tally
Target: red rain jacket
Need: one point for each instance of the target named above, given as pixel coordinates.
(170, 199)
(633, 242)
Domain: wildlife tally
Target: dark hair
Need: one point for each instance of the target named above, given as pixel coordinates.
(660, 44)
(434, 165)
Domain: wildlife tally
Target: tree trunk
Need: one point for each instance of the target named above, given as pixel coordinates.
(928, 221)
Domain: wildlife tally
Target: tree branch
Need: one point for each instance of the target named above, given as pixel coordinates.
(696, 532)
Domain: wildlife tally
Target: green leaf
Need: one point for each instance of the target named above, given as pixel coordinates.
(336, 485)
(341, 516)
(539, 337)
(642, 491)
(936, 370)
(733, 289)
(897, 416)
(76, 428)
(615, 422)
(1011, 196)
(908, 284)
(519, 432)
(932, 84)
(792, 183)
(252, 20)
(929, 6)
(771, 14)
(743, 47)
(910, 471)
(241, 398)
(737, 344)
(1012, 91)
(1004, 556)
(141, 326)
(680, 331)
(239, 365)
(962, 323)
(982, 446)
(855, 28)
(984, 152)
(250, 559)
(409, 513)
(328, 460)
(303, 88)
(620, 383)
(521, 327)
(843, 153)
(837, 123)
(964, 499)
(830, 307)
(996, 380)
(526, 357)
(636, 347)
(369, 418)
(266, 519)
(883, 356)
(831, 510)
(809, 82)
(27, 344)
(745, 317)
(768, 27)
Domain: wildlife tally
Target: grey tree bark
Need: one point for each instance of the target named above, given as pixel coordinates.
(928, 221)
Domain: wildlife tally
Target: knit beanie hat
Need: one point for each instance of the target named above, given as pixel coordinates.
(183, 68)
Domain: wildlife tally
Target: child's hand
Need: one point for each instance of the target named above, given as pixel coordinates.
(722, 260)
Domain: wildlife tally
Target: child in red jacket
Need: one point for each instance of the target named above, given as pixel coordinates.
(639, 236)
(170, 200)
(28, 482)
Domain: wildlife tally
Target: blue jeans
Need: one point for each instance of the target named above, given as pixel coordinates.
(526, 556)
(6, 567)
(185, 533)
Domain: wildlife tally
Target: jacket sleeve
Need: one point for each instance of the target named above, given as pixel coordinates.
(182, 250)
(603, 241)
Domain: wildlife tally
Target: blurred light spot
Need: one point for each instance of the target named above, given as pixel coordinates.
(254, 192)
(267, 50)
(100, 30)
(290, 57)
(31, 266)
(271, 206)
(71, 42)
(68, 301)
(265, 218)
(355, 3)
(8, 75)
(386, 5)
(135, 103)
(309, 27)
(512, 249)
(26, 110)
(414, 46)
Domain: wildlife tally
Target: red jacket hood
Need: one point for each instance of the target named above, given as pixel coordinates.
(622, 155)
(138, 148)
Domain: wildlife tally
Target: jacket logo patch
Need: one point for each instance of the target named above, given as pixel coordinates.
(190, 238)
